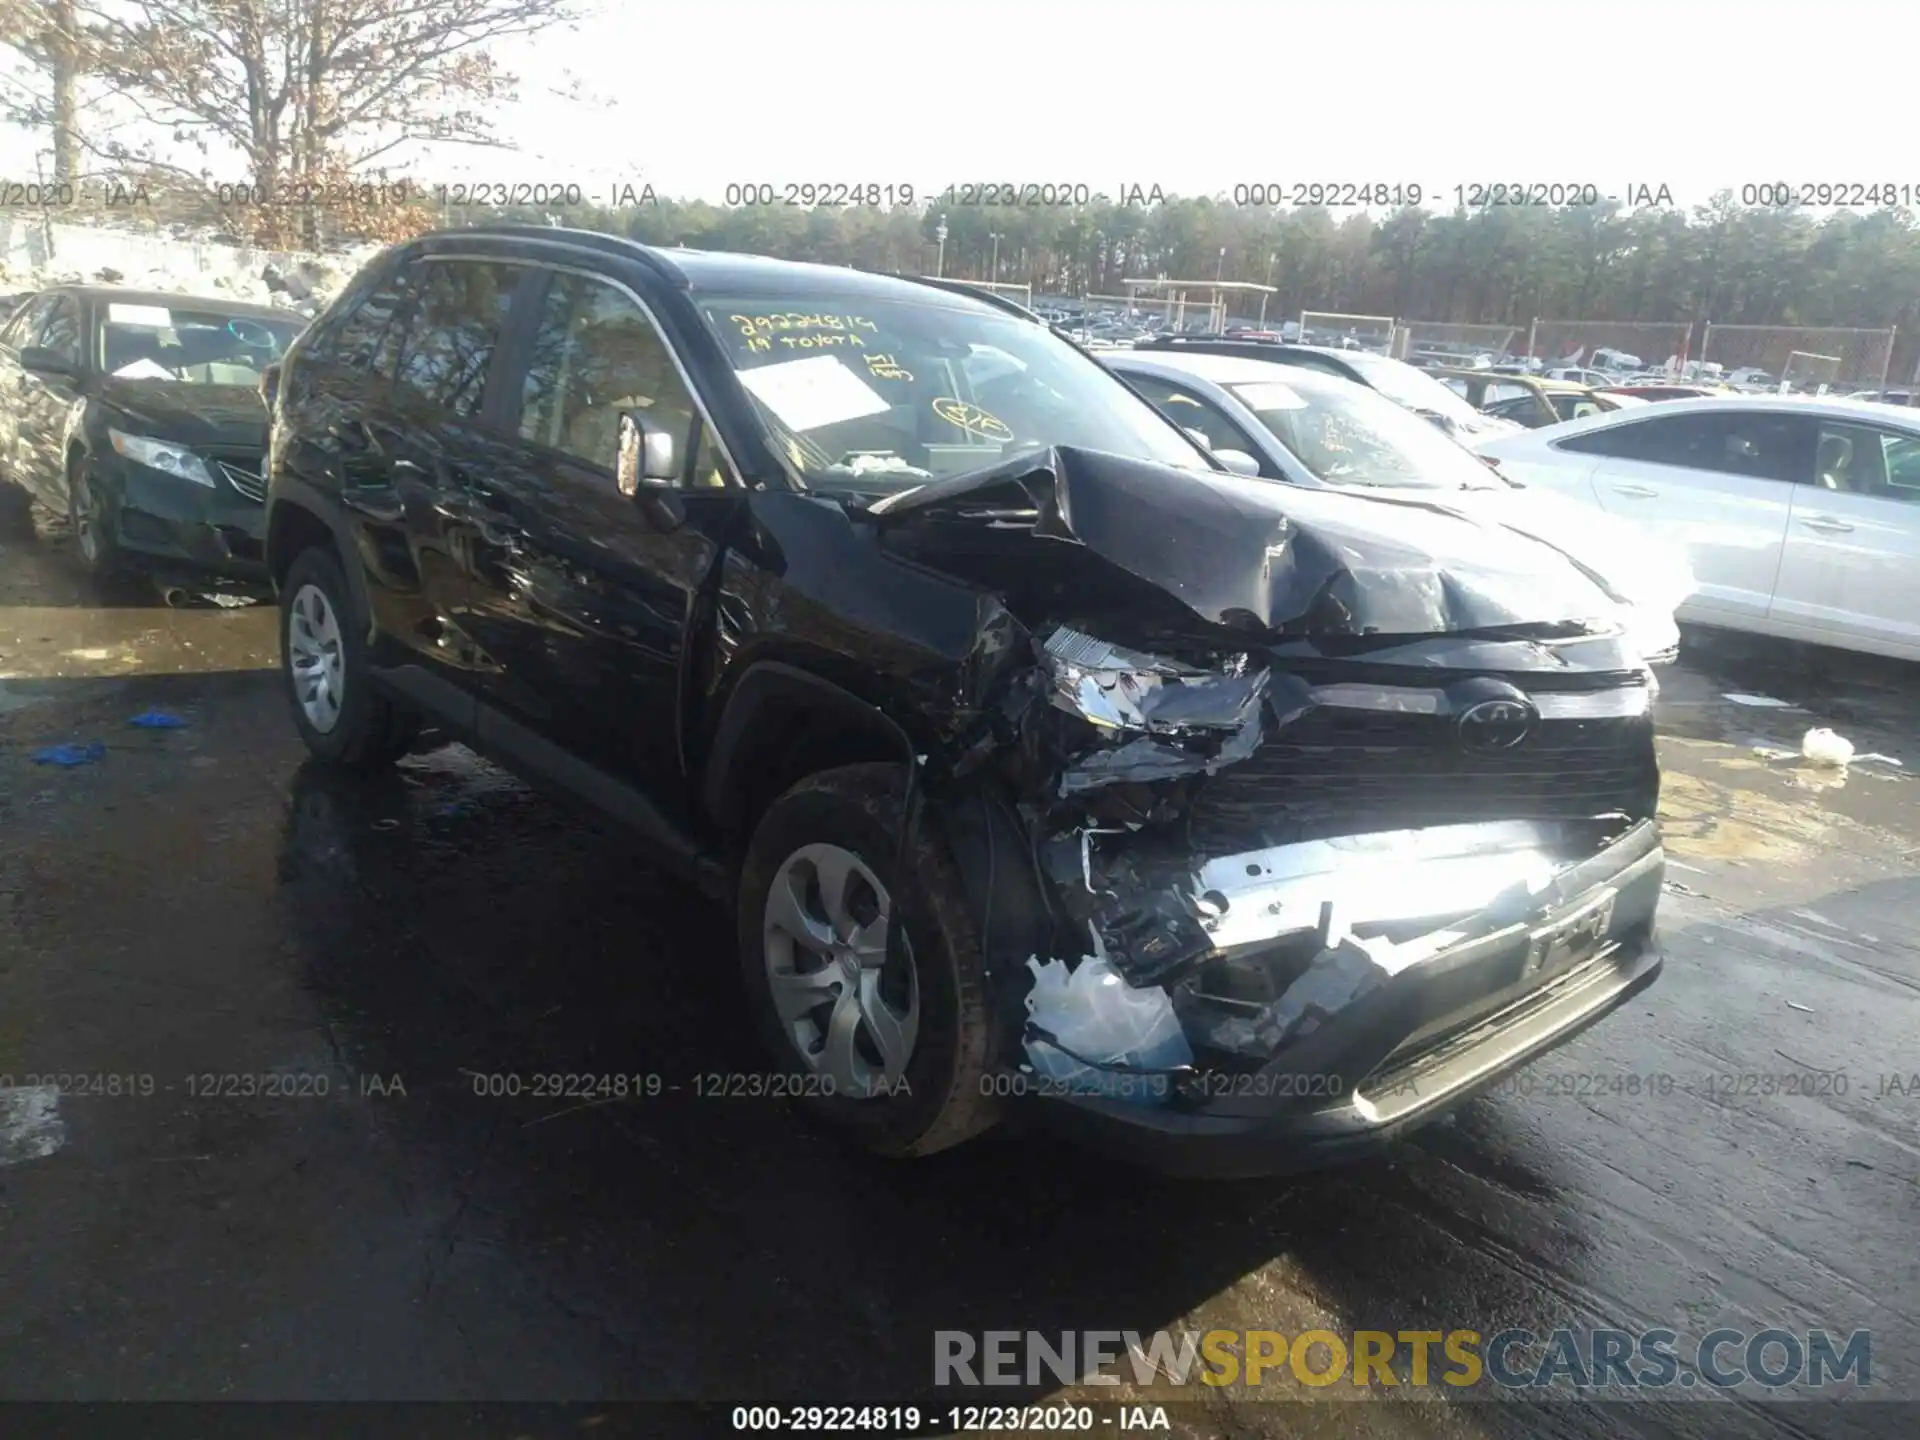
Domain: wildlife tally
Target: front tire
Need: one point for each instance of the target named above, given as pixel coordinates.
(895, 1053)
(93, 539)
(323, 661)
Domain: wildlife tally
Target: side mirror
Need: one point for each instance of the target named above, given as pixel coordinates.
(1238, 461)
(648, 472)
(1199, 437)
(47, 362)
(646, 459)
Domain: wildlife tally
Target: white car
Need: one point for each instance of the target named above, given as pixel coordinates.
(1800, 517)
(1305, 427)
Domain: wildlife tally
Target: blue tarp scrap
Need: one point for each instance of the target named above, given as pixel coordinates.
(157, 720)
(70, 755)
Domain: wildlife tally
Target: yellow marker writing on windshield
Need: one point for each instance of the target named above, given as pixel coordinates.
(972, 419)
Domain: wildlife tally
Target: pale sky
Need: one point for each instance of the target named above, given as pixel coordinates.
(1206, 94)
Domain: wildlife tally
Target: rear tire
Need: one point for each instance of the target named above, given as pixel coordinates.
(323, 662)
(843, 826)
(16, 511)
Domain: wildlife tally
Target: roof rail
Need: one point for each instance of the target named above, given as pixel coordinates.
(976, 292)
(598, 240)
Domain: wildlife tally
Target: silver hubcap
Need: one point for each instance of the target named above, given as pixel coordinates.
(86, 529)
(318, 669)
(850, 1015)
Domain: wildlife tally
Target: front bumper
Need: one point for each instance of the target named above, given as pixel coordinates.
(1376, 1038)
(163, 523)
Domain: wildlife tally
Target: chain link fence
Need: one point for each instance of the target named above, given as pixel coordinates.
(1765, 357)
(1437, 342)
(1348, 332)
(1623, 346)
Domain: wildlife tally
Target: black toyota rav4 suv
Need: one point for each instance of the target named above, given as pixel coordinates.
(931, 650)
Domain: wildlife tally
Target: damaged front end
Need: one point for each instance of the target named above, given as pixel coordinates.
(1371, 804)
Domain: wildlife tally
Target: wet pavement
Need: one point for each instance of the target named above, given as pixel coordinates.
(195, 904)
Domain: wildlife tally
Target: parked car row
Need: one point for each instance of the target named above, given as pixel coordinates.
(1528, 401)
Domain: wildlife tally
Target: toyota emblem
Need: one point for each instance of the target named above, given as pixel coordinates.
(1495, 725)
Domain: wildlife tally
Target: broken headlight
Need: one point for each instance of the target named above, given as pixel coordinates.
(1116, 688)
(1151, 718)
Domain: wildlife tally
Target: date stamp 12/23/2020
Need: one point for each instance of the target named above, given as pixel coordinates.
(1192, 1086)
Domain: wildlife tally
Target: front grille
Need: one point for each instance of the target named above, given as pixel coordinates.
(248, 482)
(1342, 772)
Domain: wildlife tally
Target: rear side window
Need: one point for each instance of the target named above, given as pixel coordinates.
(454, 329)
(368, 337)
(25, 326)
(61, 333)
(1762, 444)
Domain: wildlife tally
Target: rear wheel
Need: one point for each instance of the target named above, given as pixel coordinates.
(16, 510)
(324, 664)
(889, 1043)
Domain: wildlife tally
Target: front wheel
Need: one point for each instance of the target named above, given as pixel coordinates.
(890, 1043)
(93, 538)
(323, 660)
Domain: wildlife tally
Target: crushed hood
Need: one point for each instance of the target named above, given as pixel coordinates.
(1242, 553)
(191, 414)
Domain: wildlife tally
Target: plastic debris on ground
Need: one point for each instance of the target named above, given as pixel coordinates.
(1094, 1014)
(231, 602)
(70, 755)
(157, 720)
(1826, 747)
(1758, 702)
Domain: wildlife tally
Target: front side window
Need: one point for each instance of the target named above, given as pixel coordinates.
(1190, 412)
(596, 354)
(193, 344)
(865, 394)
(1866, 460)
(455, 327)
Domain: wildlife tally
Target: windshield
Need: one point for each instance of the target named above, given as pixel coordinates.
(867, 395)
(192, 345)
(1404, 385)
(1348, 435)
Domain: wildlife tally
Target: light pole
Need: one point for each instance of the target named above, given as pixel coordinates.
(940, 234)
(995, 274)
(1220, 270)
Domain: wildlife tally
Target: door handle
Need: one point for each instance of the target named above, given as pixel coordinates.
(1636, 492)
(1826, 524)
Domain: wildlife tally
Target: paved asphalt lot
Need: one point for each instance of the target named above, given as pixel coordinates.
(197, 903)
